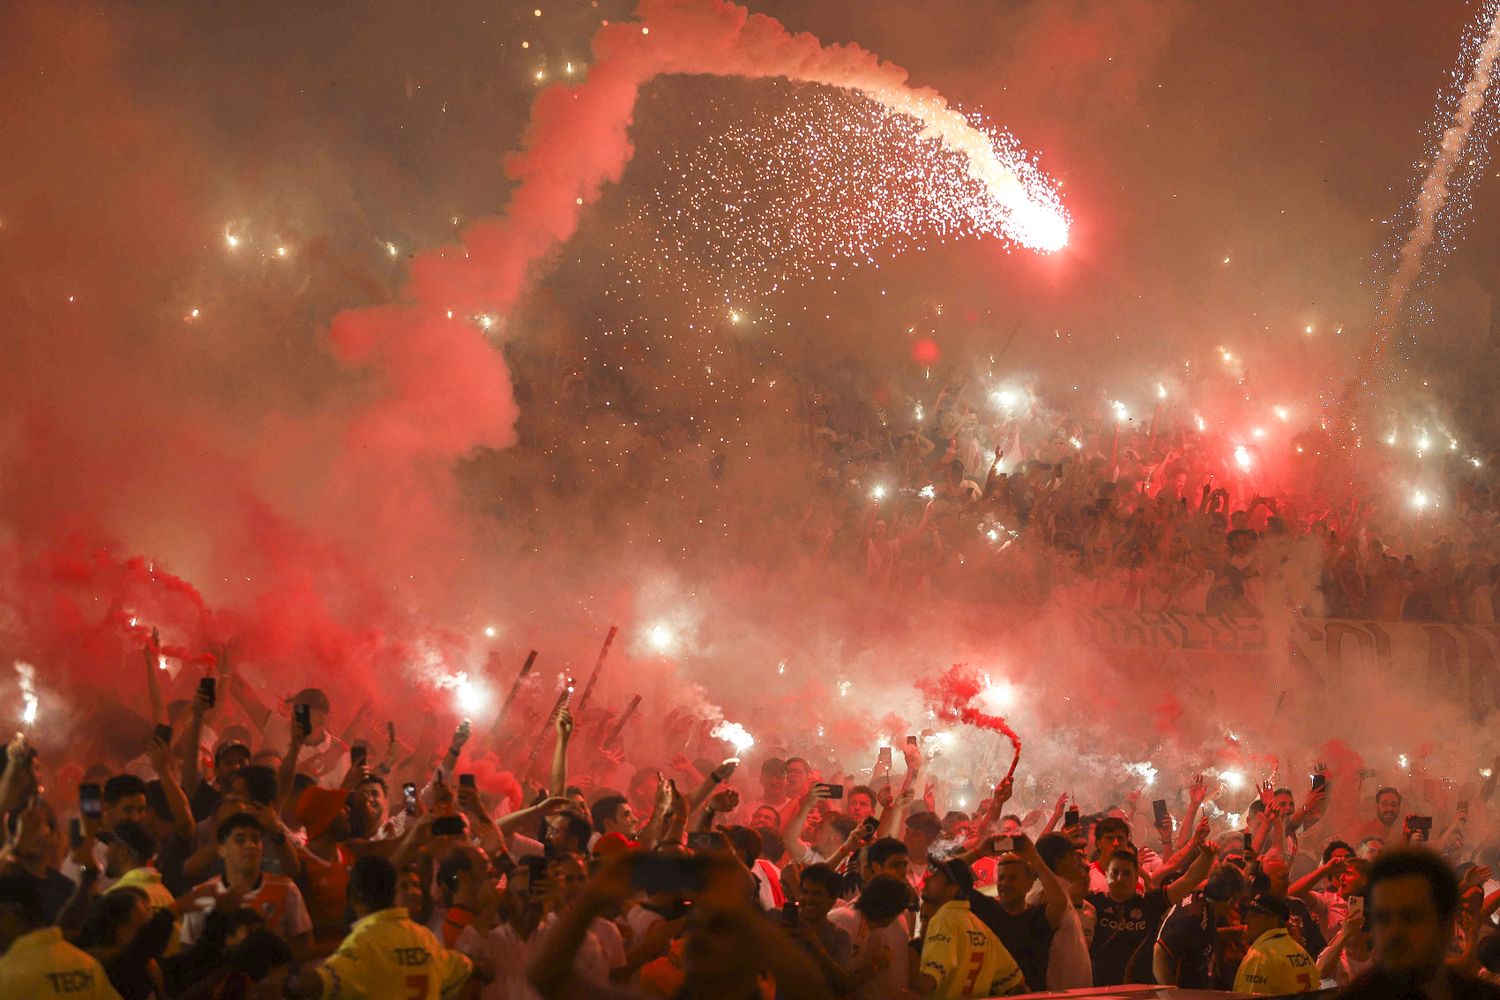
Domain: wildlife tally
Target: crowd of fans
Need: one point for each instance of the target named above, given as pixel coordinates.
(1007, 500)
(248, 851)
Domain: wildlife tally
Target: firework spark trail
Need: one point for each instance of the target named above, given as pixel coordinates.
(577, 141)
(1433, 196)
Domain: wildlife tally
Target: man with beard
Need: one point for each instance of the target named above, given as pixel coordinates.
(1387, 812)
(1413, 899)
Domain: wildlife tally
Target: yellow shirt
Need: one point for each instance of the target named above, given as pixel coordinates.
(42, 964)
(386, 955)
(966, 958)
(1276, 964)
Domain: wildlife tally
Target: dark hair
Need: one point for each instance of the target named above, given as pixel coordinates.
(745, 841)
(137, 839)
(20, 895)
(372, 882)
(864, 790)
(884, 897)
(576, 828)
(1399, 863)
(238, 821)
(843, 823)
(1286, 791)
(1334, 845)
(958, 873)
(374, 779)
(797, 760)
(822, 875)
(259, 953)
(1111, 824)
(121, 786)
(1387, 788)
(1224, 883)
(1123, 855)
(260, 783)
(1053, 847)
(156, 801)
(109, 912)
(605, 809)
(312, 698)
(883, 850)
(773, 767)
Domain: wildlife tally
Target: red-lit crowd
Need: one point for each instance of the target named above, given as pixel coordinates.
(248, 850)
(978, 498)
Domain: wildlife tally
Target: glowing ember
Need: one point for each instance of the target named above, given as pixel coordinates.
(1242, 458)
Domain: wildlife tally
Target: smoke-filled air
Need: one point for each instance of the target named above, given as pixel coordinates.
(1069, 406)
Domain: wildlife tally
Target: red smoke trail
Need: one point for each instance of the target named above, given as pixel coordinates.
(323, 520)
(953, 695)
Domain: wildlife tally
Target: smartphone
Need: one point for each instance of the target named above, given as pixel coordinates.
(665, 873)
(1249, 841)
(164, 733)
(409, 790)
(884, 757)
(448, 826)
(303, 715)
(834, 791)
(209, 688)
(911, 740)
(1160, 807)
(705, 840)
(1003, 845)
(1356, 906)
(1423, 823)
(871, 824)
(1319, 781)
(90, 801)
(75, 833)
(358, 756)
(466, 781)
(791, 913)
(1071, 817)
(1463, 807)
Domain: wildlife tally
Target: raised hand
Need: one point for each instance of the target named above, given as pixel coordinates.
(1197, 789)
(725, 800)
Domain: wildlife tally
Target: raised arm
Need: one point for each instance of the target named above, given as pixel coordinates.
(1197, 791)
(791, 830)
(192, 744)
(153, 684)
(1054, 893)
(1196, 873)
(559, 774)
(177, 800)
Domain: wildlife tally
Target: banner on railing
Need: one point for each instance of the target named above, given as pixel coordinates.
(1459, 662)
